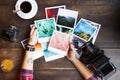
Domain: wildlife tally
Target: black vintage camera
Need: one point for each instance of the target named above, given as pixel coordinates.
(9, 33)
(95, 59)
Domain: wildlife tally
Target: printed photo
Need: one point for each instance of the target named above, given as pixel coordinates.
(84, 30)
(49, 55)
(77, 43)
(51, 12)
(45, 29)
(64, 29)
(67, 18)
(38, 49)
(24, 42)
(59, 43)
(98, 26)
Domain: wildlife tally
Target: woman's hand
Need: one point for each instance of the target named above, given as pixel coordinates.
(71, 52)
(33, 36)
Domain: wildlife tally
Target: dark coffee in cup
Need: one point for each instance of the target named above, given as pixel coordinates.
(25, 7)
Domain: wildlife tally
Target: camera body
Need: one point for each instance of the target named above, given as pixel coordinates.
(96, 61)
(9, 33)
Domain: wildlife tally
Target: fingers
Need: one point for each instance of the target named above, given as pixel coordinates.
(71, 46)
(33, 30)
(36, 34)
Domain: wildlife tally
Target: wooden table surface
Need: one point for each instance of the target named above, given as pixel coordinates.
(105, 12)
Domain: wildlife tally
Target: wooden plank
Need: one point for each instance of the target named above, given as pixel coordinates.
(9, 76)
(114, 55)
(57, 75)
(16, 56)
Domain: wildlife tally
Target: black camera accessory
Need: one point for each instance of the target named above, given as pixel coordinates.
(30, 48)
(9, 33)
(106, 70)
(90, 53)
(96, 61)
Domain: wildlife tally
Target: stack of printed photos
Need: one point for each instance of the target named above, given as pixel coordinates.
(59, 29)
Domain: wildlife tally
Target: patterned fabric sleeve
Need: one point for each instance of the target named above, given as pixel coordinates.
(26, 74)
(94, 77)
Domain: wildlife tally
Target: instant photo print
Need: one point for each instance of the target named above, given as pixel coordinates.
(84, 30)
(98, 26)
(97, 61)
(51, 12)
(49, 55)
(59, 43)
(45, 28)
(67, 18)
(77, 43)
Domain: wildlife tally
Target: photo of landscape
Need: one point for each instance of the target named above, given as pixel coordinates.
(67, 18)
(64, 29)
(66, 21)
(84, 30)
(98, 26)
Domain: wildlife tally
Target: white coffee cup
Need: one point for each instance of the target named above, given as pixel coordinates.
(26, 9)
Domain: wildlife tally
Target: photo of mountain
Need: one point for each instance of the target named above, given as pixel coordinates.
(67, 18)
(84, 30)
(64, 30)
(66, 21)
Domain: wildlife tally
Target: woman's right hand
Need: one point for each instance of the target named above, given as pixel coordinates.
(71, 52)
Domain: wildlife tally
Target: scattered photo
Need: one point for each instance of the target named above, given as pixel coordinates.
(77, 43)
(38, 49)
(64, 30)
(98, 26)
(49, 55)
(51, 12)
(24, 42)
(59, 43)
(67, 18)
(84, 30)
(45, 28)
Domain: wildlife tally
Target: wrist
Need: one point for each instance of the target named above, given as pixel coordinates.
(74, 59)
(30, 48)
(31, 43)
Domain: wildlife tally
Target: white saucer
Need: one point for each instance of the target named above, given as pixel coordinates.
(29, 15)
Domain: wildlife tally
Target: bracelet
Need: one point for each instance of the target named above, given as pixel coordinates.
(30, 48)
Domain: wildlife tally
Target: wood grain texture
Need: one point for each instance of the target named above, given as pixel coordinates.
(105, 12)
